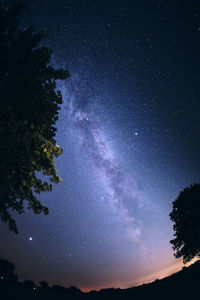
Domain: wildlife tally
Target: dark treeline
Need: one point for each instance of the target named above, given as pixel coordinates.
(181, 285)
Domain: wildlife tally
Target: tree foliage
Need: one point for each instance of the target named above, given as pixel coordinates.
(7, 271)
(186, 217)
(29, 106)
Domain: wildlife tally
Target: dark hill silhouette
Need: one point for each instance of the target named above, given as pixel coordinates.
(184, 284)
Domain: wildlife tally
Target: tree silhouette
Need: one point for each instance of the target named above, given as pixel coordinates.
(29, 105)
(186, 216)
(44, 285)
(7, 271)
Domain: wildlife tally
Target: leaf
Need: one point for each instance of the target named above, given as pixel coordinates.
(28, 114)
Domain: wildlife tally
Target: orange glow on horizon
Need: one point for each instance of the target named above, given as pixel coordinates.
(165, 272)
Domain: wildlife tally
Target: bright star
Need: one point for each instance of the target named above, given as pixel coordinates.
(30, 238)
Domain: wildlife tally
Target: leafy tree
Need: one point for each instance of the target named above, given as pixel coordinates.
(29, 106)
(72, 290)
(186, 216)
(7, 271)
(44, 284)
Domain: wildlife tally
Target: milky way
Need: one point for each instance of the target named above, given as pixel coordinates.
(129, 129)
(118, 186)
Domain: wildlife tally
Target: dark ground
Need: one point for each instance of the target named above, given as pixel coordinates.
(181, 285)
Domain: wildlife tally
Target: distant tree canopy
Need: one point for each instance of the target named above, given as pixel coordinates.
(186, 218)
(29, 105)
(7, 271)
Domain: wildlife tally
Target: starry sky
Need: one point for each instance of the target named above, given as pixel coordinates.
(129, 127)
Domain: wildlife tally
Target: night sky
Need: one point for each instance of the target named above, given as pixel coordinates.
(129, 127)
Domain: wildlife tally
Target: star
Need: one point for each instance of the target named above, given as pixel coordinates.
(136, 133)
(30, 238)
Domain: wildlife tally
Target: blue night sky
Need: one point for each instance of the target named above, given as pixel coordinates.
(129, 127)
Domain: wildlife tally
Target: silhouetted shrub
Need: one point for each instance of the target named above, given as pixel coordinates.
(7, 271)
